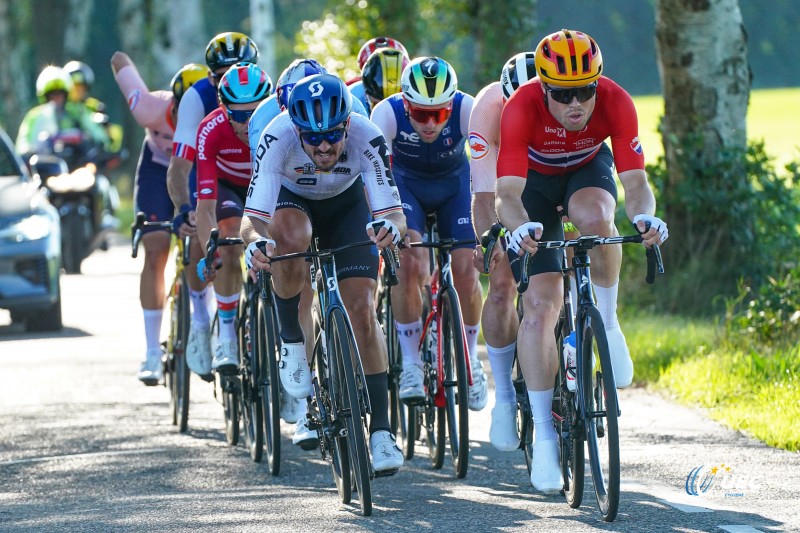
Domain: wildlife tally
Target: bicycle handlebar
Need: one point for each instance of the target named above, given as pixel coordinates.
(488, 242)
(215, 242)
(587, 242)
(442, 243)
(136, 235)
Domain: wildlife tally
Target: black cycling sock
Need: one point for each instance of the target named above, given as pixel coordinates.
(289, 319)
(378, 389)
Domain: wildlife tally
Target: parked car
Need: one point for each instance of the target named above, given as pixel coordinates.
(30, 246)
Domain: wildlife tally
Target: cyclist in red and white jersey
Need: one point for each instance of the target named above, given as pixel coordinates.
(156, 112)
(223, 176)
(499, 316)
(552, 154)
(222, 51)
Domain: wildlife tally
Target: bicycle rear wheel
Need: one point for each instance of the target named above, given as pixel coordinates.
(252, 417)
(177, 370)
(267, 348)
(456, 382)
(602, 410)
(569, 429)
(349, 391)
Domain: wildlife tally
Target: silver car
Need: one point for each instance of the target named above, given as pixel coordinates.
(30, 246)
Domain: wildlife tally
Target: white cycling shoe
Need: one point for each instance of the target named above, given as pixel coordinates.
(295, 374)
(151, 372)
(304, 437)
(620, 357)
(384, 451)
(411, 387)
(198, 350)
(291, 408)
(503, 431)
(545, 467)
(479, 390)
(226, 358)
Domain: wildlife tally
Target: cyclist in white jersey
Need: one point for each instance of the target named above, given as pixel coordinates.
(499, 317)
(313, 165)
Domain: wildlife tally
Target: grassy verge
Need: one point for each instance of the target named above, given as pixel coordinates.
(756, 392)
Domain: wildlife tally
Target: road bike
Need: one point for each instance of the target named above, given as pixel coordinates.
(443, 414)
(339, 405)
(176, 371)
(589, 413)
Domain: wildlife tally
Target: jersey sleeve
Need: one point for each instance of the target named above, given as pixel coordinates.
(512, 158)
(207, 160)
(625, 144)
(268, 167)
(146, 108)
(190, 115)
(383, 117)
(376, 172)
(484, 125)
(466, 109)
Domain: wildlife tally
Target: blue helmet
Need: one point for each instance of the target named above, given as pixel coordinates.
(296, 71)
(244, 83)
(319, 103)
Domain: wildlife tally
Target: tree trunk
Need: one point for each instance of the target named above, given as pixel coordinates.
(184, 38)
(76, 33)
(15, 91)
(262, 22)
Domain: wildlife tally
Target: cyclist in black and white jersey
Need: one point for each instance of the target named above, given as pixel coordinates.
(313, 164)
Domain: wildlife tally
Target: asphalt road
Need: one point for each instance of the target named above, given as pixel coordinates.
(85, 447)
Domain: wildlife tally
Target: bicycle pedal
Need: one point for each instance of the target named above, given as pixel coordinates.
(149, 382)
(208, 378)
(227, 370)
(386, 473)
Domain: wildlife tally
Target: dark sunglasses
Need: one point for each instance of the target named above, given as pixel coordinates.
(422, 115)
(240, 115)
(565, 96)
(315, 138)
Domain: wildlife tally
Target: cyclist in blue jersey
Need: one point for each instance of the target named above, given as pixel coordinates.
(222, 52)
(425, 127)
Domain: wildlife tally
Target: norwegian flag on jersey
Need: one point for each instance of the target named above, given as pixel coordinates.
(636, 145)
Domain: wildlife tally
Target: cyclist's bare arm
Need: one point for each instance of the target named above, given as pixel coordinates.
(178, 180)
(251, 230)
(639, 200)
(510, 209)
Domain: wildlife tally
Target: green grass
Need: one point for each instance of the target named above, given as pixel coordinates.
(769, 118)
(756, 392)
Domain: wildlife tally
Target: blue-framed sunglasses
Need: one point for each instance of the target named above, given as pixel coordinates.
(240, 115)
(315, 138)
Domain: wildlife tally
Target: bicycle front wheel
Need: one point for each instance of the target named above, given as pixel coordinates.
(400, 415)
(569, 429)
(456, 382)
(602, 410)
(349, 390)
(177, 370)
(252, 417)
(267, 348)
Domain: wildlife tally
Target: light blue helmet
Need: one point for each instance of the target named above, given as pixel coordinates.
(319, 103)
(244, 83)
(296, 71)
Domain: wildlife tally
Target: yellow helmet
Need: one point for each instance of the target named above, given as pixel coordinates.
(568, 58)
(187, 76)
(382, 71)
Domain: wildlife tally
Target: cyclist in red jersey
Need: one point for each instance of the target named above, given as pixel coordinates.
(552, 152)
(223, 176)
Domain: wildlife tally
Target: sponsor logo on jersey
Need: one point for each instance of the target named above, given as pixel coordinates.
(306, 181)
(446, 131)
(636, 146)
(205, 132)
(560, 132)
(205, 190)
(229, 204)
(463, 220)
(133, 98)
(410, 137)
(478, 147)
(341, 170)
(584, 143)
(308, 168)
(231, 151)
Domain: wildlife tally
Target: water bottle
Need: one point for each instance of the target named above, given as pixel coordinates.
(569, 360)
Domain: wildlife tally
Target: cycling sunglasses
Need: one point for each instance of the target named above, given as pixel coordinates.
(240, 115)
(565, 96)
(315, 138)
(423, 115)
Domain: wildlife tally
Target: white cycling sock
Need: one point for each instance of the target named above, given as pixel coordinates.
(607, 304)
(472, 341)
(152, 331)
(226, 311)
(200, 315)
(542, 414)
(501, 360)
(408, 336)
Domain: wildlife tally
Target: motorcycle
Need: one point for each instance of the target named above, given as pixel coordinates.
(85, 198)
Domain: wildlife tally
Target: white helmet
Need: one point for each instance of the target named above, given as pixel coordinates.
(429, 81)
(517, 71)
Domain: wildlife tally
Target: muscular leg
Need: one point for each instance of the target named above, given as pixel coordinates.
(151, 287)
